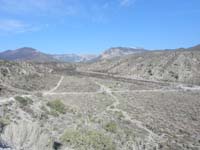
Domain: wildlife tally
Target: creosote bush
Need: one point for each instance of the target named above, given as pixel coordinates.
(58, 106)
(87, 140)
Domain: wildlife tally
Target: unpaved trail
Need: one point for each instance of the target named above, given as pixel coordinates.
(107, 90)
(58, 84)
(114, 107)
(56, 87)
(10, 99)
(103, 88)
(73, 93)
(183, 87)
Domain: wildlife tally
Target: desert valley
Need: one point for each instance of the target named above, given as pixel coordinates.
(123, 99)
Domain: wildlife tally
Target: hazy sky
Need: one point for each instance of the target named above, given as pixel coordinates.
(90, 26)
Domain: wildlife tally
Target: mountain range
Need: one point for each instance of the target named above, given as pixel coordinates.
(31, 54)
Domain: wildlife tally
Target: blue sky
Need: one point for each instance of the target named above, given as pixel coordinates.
(91, 26)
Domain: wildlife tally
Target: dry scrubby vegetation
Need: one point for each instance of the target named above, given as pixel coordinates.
(174, 116)
(23, 101)
(3, 123)
(176, 66)
(87, 139)
(57, 106)
(111, 127)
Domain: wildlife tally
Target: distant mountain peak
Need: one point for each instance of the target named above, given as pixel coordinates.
(27, 48)
(26, 54)
(120, 51)
(195, 48)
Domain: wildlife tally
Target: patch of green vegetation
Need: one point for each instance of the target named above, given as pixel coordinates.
(23, 101)
(45, 112)
(57, 106)
(87, 140)
(111, 127)
(3, 122)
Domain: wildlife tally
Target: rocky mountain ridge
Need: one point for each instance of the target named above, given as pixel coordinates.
(119, 52)
(30, 54)
(33, 55)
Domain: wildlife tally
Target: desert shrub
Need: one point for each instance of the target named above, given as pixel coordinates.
(3, 123)
(57, 106)
(150, 72)
(119, 115)
(87, 140)
(174, 75)
(23, 101)
(54, 113)
(47, 112)
(111, 127)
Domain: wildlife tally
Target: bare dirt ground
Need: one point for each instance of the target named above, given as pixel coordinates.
(134, 115)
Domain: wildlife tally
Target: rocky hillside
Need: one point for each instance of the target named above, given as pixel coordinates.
(119, 51)
(18, 77)
(182, 65)
(195, 48)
